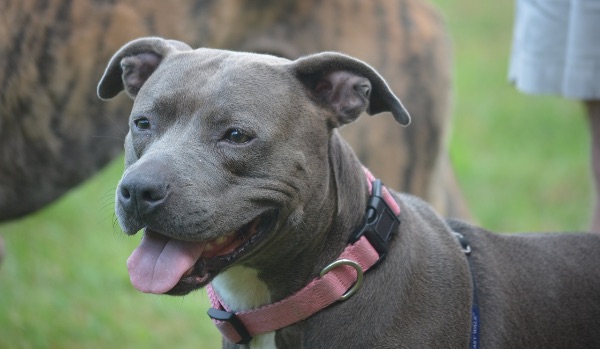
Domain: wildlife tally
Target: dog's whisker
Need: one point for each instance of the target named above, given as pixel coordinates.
(109, 137)
(115, 124)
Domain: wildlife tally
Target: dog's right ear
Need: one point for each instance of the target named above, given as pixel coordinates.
(347, 86)
(133, 64)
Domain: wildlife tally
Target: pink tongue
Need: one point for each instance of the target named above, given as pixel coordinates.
(159, 262)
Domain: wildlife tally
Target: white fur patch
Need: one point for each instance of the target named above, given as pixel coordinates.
(241, 289)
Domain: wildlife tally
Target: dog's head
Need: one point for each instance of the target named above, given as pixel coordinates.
(227, 153)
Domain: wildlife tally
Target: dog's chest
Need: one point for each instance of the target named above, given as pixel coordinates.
(241, 289)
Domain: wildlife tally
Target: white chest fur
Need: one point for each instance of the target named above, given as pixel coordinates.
(241, 289)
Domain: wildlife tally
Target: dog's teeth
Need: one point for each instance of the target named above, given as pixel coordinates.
(254, 227)
(188, 272)
(220, 240)
(209, 247)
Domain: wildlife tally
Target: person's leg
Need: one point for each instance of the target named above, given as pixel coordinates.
(1, 249)
(593, 112)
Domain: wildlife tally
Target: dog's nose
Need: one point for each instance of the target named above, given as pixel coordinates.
(141, 195)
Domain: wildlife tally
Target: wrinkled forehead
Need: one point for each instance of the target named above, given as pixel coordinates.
(207, 77)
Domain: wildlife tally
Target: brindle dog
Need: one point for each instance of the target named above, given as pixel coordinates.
(54, 133)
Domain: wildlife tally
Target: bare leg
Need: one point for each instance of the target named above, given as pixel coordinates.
(593, 112)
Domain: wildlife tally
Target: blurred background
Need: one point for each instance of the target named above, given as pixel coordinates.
(522, 163)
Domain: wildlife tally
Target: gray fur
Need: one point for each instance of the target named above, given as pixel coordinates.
(534, 291)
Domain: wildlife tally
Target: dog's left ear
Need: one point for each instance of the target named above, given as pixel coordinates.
(132, 65)
(348, 86)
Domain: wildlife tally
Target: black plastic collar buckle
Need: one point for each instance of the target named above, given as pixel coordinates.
(230, 317)
(380, 222)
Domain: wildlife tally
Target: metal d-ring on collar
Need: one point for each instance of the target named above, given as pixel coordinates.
(359, 275)
(380, 223)
(464, 244)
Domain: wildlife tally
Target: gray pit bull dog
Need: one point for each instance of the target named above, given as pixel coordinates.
(236, 173)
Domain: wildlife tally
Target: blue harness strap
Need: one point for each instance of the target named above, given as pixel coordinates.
(475, 320)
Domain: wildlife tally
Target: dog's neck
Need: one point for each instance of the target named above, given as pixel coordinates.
(243, 288)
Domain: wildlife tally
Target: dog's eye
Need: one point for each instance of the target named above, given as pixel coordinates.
(237, 136)
(142, 123)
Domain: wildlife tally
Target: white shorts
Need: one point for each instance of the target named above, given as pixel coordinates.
(556, 48)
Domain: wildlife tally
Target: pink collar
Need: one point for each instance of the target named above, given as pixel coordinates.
(337, 282)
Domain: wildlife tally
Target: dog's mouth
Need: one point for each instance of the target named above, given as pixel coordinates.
(163, 265)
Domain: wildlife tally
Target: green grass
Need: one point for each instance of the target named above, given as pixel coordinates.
(522, 162)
